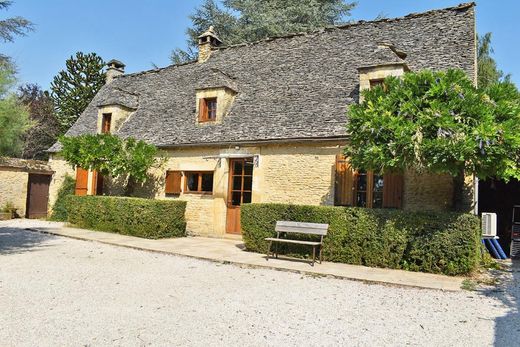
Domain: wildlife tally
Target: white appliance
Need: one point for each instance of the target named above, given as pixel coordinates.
(489, 224)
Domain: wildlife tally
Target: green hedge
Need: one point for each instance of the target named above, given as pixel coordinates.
(437, 242)
(59, 209)
(152, 219)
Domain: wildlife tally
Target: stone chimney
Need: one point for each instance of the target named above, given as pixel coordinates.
(207, 41)
(115, 68)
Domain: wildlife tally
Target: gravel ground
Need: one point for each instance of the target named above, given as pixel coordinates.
(56, 291)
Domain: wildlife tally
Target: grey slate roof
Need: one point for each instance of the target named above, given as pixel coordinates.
(293, 87)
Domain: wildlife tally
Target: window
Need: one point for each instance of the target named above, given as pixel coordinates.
(198, 182)
(208, 110)
(377, 82)
(366, 188)
(173, 183)
(105, 123)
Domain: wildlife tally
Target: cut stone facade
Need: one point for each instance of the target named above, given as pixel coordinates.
(13, 189)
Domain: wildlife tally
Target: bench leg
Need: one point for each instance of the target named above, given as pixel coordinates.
(269, 250)
(313, 255)
(276, 250)
(321, 253)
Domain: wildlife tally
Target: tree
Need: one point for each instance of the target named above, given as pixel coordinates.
(11, 27)
(73, 88)
(45, 129)
(252, 20)
(14, 120)
(488, 72)
(437, 122)
(108, 154)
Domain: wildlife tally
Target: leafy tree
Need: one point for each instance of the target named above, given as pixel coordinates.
(14, 120)
(241, 21)
(437, 122)
(488, 72)
(73, 88)
(45, 129)
(108, 154)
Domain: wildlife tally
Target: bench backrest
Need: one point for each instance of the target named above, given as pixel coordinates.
(301, 228)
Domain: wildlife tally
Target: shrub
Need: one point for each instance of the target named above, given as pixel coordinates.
(437, 242)
(148, 218)
(59, 209)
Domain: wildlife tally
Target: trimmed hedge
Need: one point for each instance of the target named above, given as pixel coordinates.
(59, 209)
(148, 218)
(437, 242)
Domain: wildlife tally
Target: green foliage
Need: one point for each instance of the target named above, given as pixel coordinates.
(437, 122)
(152, 219)
(59, 210)
(15, 26)
(436, 242)
(45, 129)
(488, 72)
(14, 119)
(73, 88)
(241, 21)
(110, 155)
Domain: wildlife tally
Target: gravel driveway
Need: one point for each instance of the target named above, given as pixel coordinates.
(57, 291)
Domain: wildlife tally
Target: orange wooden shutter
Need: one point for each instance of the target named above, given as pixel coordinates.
(93, 184)
(81, 181)
(173, 182)
(393, 190)
(344, 182)
(202, 109)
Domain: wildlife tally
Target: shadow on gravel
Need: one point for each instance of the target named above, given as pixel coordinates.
(507, 327)
(19, 240)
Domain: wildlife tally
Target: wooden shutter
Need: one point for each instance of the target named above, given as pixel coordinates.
(105, 124)
(202, 110)
(344, 182)
(173, 183)
(393, 190)
(81, 181)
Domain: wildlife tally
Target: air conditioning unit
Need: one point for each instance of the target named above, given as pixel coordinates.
(489, 224)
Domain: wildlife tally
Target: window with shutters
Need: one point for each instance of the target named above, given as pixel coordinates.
(198, 182)
(208, 110)
(366, 188)
(173, 183)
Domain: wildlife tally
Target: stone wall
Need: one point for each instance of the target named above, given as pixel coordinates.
(13, 189)
(427, 191)
(61, 168)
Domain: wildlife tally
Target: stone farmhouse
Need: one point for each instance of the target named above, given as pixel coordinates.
(265, 121)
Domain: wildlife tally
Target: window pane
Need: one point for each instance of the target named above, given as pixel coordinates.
(237, 168)
(361, 181)
(378, 200)
(361, 199)
(237, 182)
(211, 104)
(207, 182)
(248, 169)
(192, 181)
(378, 183)
(235, 198)
(247, 197)
(248, 183)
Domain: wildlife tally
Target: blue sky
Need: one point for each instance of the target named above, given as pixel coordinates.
(140, 33)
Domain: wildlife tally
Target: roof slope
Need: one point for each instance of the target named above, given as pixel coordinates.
(293, 87)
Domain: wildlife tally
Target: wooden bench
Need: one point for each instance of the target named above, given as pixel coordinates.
(298, 228)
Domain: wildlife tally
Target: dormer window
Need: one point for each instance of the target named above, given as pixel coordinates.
(106, 123)
(208, 110)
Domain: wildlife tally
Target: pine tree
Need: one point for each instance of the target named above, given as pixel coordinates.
(11, 27)
(73, 88)
(241, 21)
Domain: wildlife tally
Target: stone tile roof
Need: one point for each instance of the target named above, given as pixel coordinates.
(25, 165)
(294, 87)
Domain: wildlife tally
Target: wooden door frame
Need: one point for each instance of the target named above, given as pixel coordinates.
(28, 194)
(229, 205)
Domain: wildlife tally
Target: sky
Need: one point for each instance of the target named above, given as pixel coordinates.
(142, 33)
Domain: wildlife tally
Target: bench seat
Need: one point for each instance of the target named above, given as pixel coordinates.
(309, 243)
